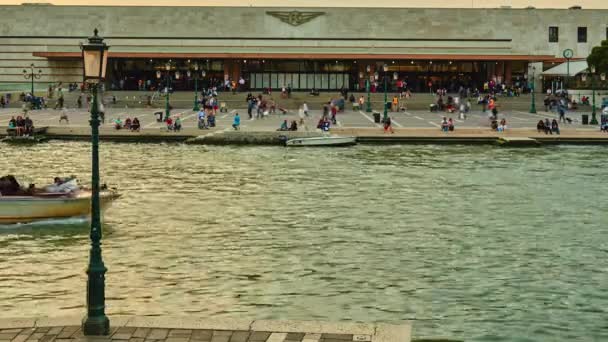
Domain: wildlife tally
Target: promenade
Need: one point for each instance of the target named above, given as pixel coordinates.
(188, 329)
(409, 126)
(413, 125)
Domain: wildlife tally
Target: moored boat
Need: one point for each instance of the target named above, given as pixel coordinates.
(322, 141)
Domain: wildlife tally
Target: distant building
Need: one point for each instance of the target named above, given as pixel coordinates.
(323, 48)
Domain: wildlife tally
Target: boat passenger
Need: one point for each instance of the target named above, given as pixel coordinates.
(29, 126)
(450, 124)
(9, 186)
(12, 123)
(127, 123)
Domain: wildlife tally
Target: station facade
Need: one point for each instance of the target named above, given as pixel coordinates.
(304, 48)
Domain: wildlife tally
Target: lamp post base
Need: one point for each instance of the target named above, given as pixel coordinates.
(593, 121)
(96, 326)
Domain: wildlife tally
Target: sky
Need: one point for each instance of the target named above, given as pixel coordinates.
(586, 4)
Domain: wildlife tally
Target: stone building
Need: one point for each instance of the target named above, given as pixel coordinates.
(323, 48)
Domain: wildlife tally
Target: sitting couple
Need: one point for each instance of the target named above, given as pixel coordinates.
(292, 127)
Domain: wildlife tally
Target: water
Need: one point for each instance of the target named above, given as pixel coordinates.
(472, 242)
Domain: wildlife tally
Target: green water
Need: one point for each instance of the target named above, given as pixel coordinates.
(471, 242)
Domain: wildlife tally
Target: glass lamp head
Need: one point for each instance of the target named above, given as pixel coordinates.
(94, 58)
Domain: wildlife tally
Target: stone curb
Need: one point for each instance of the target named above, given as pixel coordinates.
(379, 332)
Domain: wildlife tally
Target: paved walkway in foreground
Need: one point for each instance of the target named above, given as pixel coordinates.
(187, 329)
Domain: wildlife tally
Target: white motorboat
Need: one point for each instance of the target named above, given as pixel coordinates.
(54, 202)
(322, 141)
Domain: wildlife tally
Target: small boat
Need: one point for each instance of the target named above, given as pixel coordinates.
(76, 202)
(322, 141)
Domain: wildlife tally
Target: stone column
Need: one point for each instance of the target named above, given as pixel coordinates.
(508, 72)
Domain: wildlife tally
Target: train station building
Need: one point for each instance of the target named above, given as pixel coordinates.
(304, 48)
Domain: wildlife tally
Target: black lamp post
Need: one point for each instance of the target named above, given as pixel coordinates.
(368, 105)
(95, 59)
(32, 75)
(532, 90)
(593, 86)
(168, 85)
(385, 68)
(196, 75)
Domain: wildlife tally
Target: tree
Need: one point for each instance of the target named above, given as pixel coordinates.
(599, 57)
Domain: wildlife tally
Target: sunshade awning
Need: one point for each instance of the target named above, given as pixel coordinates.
(576, 67)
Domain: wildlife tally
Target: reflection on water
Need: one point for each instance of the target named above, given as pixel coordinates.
(471, 242)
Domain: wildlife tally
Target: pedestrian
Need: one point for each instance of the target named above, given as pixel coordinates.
(334, 111)
(236, 122)
(305, 109)
(79, 101)
(64, 116)
(250, 104)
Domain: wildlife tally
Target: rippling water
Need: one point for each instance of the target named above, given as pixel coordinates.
(475, 242)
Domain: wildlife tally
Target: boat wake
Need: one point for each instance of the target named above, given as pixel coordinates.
(51, 224)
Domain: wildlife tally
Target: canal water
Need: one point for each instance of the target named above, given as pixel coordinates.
(473, 242)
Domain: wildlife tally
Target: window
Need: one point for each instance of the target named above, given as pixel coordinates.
(553, 34)
(582, 35)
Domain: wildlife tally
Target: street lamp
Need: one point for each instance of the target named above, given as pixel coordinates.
(385, 68)
(593, 86)
(532, 88)
(95, 59)
(368, 106)
(32, 75)
(196, 76)
(168, 85)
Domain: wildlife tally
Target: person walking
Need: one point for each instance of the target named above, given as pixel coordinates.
(334, 111)
(250, 105)
(305, 109)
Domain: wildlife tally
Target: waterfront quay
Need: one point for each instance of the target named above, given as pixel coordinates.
(413, 124)
(188, 329)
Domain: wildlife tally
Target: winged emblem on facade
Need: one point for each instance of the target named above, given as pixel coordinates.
(295, 18)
